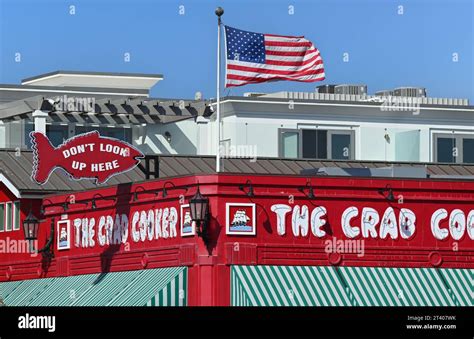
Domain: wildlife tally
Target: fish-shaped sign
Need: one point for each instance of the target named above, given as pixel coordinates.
(85, 156)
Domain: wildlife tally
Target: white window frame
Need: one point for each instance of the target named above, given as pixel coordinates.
(459, 159)
(330, 131)
(8, 229)
(3, 217)
(16, 205)
(281, 131)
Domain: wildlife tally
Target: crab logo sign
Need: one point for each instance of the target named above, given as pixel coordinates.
(86, 155)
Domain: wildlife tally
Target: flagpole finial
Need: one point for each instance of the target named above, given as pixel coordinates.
(219, 11)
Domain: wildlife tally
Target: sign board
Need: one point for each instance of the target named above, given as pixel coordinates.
(85, 156)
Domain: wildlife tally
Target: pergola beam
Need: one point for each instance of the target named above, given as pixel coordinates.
(111, 111)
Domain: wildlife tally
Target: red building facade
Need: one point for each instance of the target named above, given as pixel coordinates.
(273, 240)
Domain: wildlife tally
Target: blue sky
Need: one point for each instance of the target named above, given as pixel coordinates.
(386, 49)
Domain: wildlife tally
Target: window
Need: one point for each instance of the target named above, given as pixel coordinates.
(340, 145)
(16, 215)
(468, 150)
(124, 134)
(317, 144)
(453, 148)
(57, 134)
(29, 127)
(289, 144)
(2, 217)
(314, 144)
(8, 216)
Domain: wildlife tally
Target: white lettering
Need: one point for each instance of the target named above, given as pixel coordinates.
(281, 210)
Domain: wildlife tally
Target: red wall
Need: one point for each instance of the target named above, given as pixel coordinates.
(25, 204)
(209, 267)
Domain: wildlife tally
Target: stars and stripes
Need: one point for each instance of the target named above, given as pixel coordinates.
(255, 57)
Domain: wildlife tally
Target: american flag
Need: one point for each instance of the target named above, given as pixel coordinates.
(255, 57)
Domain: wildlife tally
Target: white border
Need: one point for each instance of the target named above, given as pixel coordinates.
(9, 203)
(14, 215)
(193, 224)
(68, 225)
(10, 186)
(3, 203)
(227, 219)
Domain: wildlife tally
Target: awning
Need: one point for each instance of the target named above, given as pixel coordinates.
(155, 287)
(287, 286)
(345, 286)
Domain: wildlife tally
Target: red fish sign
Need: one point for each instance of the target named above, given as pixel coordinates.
(84, 156)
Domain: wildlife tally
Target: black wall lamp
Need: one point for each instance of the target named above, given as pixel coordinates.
(43, 208)
(137, 192)
(30, 229)
(101, 197)
(310, 189)
(389, 196)
(165, 191)
(199, 209)
(249, 186)
(65, 205)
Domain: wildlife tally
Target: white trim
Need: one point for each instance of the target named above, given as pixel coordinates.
(68, 230)
(8, 203)
(73, 92)
(330, 104)
(14, 215)
(227, 219)
(10, 186)
(90, 76)
(3, 203)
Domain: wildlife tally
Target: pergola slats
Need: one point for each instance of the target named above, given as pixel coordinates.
(111, 111)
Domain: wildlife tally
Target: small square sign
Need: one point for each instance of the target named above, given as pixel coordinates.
(240, 219)
(188, 226)
(64, 235)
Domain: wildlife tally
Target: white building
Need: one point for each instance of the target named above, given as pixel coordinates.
(341, 123)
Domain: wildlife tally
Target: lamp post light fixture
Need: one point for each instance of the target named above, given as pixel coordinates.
(30, 229)
(199, 210)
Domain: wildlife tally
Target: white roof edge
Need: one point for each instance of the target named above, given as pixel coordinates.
(95, 79)
(10, 186)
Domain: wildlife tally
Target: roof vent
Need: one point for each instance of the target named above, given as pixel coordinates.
(328, 89)
(351, 89)
(410, 92)
(253, 94)
(384, 93)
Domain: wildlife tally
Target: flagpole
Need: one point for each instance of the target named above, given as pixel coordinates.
(219, 11)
